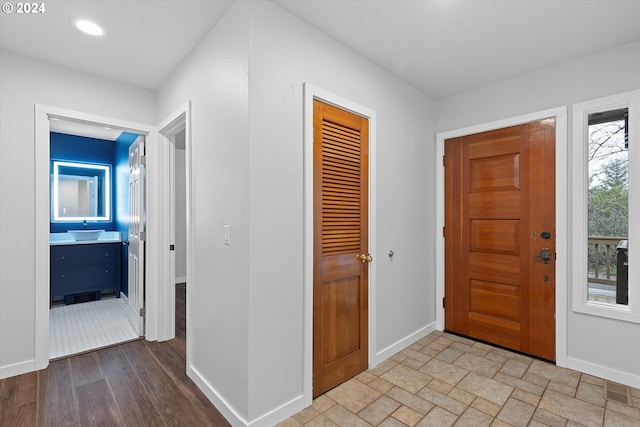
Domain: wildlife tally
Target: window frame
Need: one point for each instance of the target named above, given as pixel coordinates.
(579, 206)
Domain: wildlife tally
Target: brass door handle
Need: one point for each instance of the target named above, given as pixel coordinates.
(364, 258)
(544, 256)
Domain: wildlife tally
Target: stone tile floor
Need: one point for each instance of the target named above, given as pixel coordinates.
(445, 380)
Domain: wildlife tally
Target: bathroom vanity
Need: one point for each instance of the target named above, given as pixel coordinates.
(82, 269)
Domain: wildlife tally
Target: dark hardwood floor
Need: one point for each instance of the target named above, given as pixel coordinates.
(138, 383)
(180, 342)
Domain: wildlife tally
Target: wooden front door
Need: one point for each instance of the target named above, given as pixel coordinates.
(500, 237)
(340, 247)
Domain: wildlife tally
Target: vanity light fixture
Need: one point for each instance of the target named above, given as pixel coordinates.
(88, 27)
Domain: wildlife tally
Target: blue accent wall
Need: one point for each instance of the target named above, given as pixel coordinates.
(116, 154)
(83, 150)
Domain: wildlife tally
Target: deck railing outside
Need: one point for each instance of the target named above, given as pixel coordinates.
(602, 259)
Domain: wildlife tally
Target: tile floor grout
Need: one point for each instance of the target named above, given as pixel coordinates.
(446, 380)
(77, 328)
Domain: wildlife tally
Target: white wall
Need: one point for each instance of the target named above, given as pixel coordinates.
(23, 83)
(214, 78)
(604, 346)
(285, 53)
(180, 213)
(248, 172)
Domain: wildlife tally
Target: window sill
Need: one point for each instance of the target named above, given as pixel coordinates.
(611, 311)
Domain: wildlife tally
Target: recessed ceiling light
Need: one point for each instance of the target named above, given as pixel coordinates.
(88, 27)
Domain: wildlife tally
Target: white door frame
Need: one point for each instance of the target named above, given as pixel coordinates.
(42, 189)
(312, 92)
(176, 122)
(562, 226)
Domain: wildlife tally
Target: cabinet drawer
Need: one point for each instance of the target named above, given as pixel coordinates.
(66, 281)
(82, 255)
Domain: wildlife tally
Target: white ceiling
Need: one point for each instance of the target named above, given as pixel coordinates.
(440, 46)
(145, 40)
(450, 46)
(89, 130)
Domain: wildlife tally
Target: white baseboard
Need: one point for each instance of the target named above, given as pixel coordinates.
(181, 280)
(269, 419)
(17, 369)
(610, 374)
(280, 413)
(403, 343)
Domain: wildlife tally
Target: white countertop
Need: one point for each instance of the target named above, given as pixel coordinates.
(66, 239)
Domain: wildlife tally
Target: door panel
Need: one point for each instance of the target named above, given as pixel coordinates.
(340, 289)
(499, 197)
(136, 227)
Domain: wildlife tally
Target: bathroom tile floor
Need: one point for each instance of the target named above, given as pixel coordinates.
(77, 328)
(446, 380)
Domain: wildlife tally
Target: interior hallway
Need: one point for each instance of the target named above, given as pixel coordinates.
(444, 380)
(136, 383)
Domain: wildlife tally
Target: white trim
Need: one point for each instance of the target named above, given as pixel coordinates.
(20, 368)
(312, 92)
(604, 372)
(562, 218)
(405, 342)
(233, 417)
(579, 174)
(176, 122)
(42, 154)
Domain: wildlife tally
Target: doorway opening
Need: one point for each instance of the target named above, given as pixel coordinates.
(311, 94)
(96, 254)
(561, 209)
(175, 137)
(107, 246)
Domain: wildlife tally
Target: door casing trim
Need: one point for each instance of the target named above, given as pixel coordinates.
(174, 123)
(42, 113)
(312, 92)
(562, 226)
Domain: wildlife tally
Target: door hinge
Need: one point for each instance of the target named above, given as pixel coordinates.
(143, 160)
(143, 236)
(443, 161)
(443, 302)
(443, 233)
(172, 247)
(142, 313)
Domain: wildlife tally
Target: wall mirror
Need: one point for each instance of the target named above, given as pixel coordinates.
(80, 191)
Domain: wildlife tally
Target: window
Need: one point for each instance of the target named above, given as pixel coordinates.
(603, 151)
(80, 192)
(608, 206)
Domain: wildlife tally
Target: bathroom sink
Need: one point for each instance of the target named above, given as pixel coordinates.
(80, 235)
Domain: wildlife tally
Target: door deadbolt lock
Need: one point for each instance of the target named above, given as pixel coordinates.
(544, 256)
(364, 258)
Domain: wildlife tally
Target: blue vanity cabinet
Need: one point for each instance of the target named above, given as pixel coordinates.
(85, 268)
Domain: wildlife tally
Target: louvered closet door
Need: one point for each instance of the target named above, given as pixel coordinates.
(340, 295)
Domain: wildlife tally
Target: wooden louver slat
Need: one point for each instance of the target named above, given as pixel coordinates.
(341, 193)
